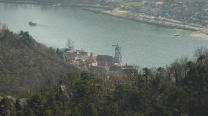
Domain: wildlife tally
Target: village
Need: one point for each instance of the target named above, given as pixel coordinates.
(99, 64)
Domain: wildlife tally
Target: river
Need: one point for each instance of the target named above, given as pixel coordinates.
(143, 44)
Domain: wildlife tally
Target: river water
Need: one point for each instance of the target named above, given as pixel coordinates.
(143, 44)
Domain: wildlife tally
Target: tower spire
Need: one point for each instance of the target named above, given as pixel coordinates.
(118, 56)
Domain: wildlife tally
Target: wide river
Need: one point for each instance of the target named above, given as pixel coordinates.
(143, 44)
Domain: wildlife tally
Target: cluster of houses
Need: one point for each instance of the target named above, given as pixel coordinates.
(97, 64)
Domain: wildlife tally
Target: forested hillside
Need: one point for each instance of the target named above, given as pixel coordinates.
(180, 89)
(27, 66)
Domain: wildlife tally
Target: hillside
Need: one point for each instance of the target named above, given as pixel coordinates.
(192, 11)
(42, 85)
(27, 66)
(181, 89)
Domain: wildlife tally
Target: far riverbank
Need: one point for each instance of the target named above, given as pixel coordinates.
(55, 4)
(99, 9)
(161, 21)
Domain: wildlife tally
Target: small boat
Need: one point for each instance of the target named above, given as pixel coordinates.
(176, 35)
(32, 23)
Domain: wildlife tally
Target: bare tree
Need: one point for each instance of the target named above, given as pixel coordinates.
(70, 44)
(202, 55)
(202, 51)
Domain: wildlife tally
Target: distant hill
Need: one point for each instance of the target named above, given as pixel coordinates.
(27, 66)
(192, 11)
